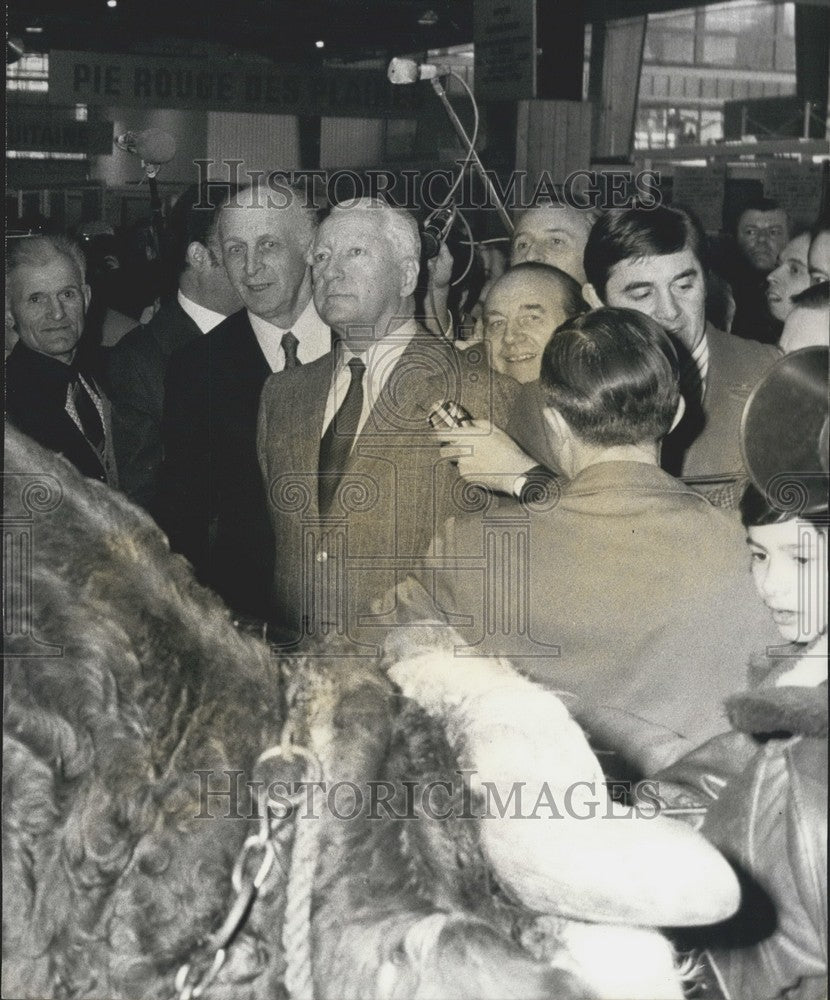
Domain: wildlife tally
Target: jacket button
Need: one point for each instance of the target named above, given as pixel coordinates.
(322, 557)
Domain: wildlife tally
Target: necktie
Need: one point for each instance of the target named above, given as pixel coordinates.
(86, 414)
(337, 442)
(289, 345)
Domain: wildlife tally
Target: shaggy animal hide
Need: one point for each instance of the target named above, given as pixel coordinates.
(125, 685)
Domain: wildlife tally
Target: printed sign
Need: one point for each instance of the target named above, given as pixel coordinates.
(230, 85)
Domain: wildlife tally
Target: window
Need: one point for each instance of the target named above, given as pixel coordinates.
(720, 50)
(29, 73)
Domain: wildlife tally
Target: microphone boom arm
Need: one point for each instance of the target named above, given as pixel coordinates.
(437, 86)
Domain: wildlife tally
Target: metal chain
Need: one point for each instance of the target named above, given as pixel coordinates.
(261, 848)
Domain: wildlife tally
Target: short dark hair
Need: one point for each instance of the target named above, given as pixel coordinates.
(813, 297)
(621, 234)
(193, 218)
(759, 204)
(572, 300)
(613, 375)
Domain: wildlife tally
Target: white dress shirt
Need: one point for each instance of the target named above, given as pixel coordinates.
(205, 319)
(379, 359)
(313, 337)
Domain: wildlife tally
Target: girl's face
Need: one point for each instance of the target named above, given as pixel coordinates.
(789, 566)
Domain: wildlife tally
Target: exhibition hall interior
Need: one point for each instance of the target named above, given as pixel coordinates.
(415, 500)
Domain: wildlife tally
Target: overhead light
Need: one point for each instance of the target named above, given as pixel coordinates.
(35, 29)
(428, 19)
(319, 44)
(112, 3)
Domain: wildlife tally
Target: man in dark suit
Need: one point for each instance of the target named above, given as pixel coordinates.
(49, 395)
(137, 364)
(213, 505)
(355, 482)
(627, 591)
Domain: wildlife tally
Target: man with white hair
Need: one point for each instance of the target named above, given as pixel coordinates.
(355, 481)
(48, 394)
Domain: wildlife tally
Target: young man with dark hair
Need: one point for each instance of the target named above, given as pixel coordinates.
(627, 589)
(654, 261)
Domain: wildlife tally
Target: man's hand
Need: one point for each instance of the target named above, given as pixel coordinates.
(440, 269)
(485, 455)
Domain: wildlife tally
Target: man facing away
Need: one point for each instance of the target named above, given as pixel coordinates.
(137, 364)
(48, 394)
(628, 590)
(355, 482)
(213, 505)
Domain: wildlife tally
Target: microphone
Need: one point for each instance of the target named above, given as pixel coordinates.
(408, 71)
(434, 233)
(152, 145)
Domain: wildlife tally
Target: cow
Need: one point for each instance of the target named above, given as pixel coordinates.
(169, 827)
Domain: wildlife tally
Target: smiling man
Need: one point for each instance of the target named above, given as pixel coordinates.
(353, 473)
(521, 311)
(48, 395)
(212, 506)
(653, 261)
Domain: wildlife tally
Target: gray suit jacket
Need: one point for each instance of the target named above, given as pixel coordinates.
(394, 495)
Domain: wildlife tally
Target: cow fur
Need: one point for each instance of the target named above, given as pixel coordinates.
(113, 875)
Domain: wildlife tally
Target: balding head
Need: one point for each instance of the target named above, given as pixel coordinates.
(264, 236)
(522, 310)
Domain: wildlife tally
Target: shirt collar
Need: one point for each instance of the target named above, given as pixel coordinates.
(313, 337)
(206, 319)
(388, 348)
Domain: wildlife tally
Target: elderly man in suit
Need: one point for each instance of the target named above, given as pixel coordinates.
(213, 502)
(627, 590)
(355, 481)
(49, 395)
(137, 364)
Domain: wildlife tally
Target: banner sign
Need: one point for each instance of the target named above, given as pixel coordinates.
(46, 130)
(227, 85)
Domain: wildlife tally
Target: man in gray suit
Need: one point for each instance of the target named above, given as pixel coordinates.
(355, 482)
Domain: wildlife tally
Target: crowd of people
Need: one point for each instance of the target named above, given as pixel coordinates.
(592, 516)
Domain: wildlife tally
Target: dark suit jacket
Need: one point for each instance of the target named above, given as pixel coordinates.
(136, 368)
(212, 504)
(395, 492)
(706, 443)
(36, 386)
(628, 592)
